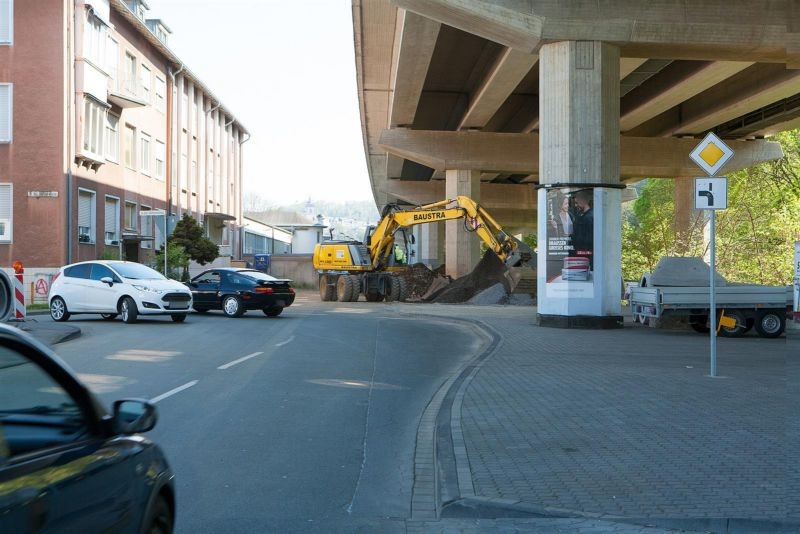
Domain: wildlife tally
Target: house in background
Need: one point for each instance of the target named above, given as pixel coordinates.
(99, 121)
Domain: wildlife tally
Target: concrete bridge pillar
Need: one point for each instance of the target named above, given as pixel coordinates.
(578, 146)
(462, 249)
(431, 244)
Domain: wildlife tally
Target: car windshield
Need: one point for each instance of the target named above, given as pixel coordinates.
(137, 271)
(257, 275)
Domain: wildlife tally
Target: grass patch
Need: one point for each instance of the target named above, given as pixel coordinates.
(37, 307)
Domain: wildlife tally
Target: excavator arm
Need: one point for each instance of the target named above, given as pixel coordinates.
(476, 219)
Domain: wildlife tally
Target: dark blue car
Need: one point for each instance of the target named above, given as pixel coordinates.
(67, 465)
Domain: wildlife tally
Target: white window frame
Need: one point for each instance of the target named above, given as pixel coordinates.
(92, 217)
(112, 140)
(145, 80)
(134, 156)
(161, 156)
(135, 217)
(116, 221)
(112, 63)
(94, 128)
(95, 40)
(161, 94)
(146, 228)
(131, 74)
(8, 139)
(10, 14)
(145, 159)
(7, 224)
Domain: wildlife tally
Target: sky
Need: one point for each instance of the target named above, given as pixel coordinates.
(286, 69)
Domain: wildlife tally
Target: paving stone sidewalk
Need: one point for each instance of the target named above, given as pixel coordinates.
(627, 423)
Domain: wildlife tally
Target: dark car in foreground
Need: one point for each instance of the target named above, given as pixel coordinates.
(237, 290)
(67, 465)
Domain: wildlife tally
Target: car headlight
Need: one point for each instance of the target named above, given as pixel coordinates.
(148, 289)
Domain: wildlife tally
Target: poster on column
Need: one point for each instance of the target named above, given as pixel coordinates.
(570, 243)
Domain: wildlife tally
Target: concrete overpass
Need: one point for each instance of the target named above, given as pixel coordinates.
(486, 97)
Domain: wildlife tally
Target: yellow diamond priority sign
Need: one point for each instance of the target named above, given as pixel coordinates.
(711, 154)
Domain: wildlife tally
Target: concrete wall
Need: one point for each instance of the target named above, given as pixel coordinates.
(296, 267)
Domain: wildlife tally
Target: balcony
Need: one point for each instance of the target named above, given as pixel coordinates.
(127, 93)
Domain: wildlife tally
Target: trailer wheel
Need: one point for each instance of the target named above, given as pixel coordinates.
(741, 324)
(770, 323)
(699, 323)
(327, 288)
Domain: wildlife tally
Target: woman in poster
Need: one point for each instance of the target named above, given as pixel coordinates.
(562, 222)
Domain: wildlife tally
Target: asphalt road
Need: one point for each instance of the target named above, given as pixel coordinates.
(303, 422)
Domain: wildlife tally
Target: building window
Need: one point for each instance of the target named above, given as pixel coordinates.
(144, 162)
(130, 147)
(255, 243)
(6, 109)
(6, 212)
(161, 91)
(6, 22)
(130, 74)
(112, 137)
(185, 110)
(112, 221)
(161, 163)
(94, 124)
(130, 216)
(112, 58)
(86, 200)
(146, 224)
(194, 177)
(145, 81)
(94, 40)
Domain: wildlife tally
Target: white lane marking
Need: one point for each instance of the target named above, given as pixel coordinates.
(240, 360)
(173, 391)
(282, 343)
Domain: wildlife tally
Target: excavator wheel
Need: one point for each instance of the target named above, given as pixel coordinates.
(327, 291)
(403, 289)
(356, 287)
(344, 288)
(394, 289)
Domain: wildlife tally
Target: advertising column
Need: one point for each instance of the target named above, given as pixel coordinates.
(796, 308)
(570, 243)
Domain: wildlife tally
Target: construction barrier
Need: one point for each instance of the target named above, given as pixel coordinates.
(19, 291)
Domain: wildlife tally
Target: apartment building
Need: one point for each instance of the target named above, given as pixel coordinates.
(99, 122)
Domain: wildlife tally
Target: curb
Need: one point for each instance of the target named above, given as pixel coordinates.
(65, 332)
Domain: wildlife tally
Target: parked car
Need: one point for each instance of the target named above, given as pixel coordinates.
(67, 465)
(113, 288)
(235, 291)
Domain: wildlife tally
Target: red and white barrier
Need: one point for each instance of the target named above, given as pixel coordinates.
(19, 291)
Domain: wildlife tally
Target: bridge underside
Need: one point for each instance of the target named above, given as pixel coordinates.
(512, 93)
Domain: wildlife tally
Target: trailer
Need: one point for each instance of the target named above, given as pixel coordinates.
(762, 307)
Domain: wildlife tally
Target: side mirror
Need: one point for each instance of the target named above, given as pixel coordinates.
(107, 280)
(133, 416)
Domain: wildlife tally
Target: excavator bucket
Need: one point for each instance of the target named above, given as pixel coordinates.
(523, 255)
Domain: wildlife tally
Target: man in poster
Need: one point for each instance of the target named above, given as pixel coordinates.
(583, 233)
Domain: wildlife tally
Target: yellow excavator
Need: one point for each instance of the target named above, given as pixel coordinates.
(374, 267)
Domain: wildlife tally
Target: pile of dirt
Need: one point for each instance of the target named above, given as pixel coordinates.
(489, 271)
(418, 279)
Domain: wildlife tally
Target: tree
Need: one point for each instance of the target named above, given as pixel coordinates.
(190, 236)
(176, 259)
(755, 235)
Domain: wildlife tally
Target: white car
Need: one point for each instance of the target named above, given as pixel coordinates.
(113, 288)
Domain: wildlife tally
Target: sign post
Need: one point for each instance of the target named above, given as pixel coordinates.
(712, 194)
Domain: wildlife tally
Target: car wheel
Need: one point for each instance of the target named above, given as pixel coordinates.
(160, 521)
(201, 310)
(109, 316)
(128, 310)
(770, 323)
(273, 312)
(232, 307)
(58, 309)
(178, 317)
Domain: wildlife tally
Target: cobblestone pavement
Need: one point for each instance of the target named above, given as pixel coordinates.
(626, 422)
(537, 525)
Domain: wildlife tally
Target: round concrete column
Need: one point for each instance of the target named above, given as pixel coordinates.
(579, 145)
(462, 249)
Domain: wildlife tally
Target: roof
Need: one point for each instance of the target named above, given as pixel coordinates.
(122, 9)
